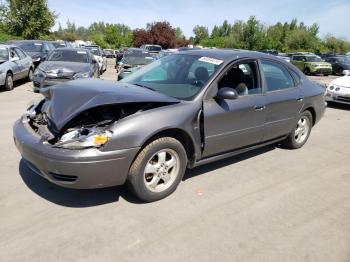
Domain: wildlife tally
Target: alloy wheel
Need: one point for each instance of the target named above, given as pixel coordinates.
(302, 130)
(161, 170)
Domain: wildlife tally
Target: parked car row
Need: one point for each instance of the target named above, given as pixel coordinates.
(48, 62)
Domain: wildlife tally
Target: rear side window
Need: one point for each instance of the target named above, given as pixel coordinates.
(277, 77)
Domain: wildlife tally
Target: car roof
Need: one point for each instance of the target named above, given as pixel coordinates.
(71, 49)
(6, 46)
(227, 54)
(28, 41)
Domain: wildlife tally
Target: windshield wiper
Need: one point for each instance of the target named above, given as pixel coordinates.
(150, 88)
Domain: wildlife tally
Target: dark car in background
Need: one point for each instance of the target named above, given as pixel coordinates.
(339, 64)
(133, 59)
(109, 53)
(152, 48)
(60, 44)
(65, 64)
(180, 111)
(36, 49)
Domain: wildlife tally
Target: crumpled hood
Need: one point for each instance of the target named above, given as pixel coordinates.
(74, 97)
(342, 81)
(59, 66)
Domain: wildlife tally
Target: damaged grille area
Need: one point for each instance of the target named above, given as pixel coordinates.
(93, 121)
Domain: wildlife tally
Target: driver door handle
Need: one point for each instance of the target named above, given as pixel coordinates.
(259, 108)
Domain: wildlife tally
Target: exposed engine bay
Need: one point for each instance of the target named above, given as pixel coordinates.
(91, 128)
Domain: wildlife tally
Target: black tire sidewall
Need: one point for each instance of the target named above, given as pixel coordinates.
(7, 88)
(136, 179)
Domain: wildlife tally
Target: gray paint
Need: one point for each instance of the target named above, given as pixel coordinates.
(229, 125)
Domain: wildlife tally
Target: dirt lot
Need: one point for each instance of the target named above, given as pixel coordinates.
(269, 205)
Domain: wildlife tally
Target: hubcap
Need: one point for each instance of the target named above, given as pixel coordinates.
(9, 82)
(161, 170)
(302, 130)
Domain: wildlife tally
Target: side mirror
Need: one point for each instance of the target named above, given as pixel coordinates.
(346, 72)
(227, 93)
(13, 59)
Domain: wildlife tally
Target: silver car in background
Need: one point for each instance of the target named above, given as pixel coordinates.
(14, 65)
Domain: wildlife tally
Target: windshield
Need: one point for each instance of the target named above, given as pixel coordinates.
(153, 48)
(137, 57)
(313, 59)
(4, 54)
(31, 47)
(179, 76)
(344, 60)
(69, 56)
(95, 51)
(58, 44)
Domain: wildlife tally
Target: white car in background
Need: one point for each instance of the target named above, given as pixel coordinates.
(99, 56)
(338, 90)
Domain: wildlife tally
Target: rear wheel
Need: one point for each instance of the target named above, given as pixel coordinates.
(307, 71)
(8, 82)
(301, 132)
(158, 169)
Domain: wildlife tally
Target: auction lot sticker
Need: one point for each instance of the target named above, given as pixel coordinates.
(210, 60)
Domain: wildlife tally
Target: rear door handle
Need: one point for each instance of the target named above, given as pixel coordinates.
(259, 108)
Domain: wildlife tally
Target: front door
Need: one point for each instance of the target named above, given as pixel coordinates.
(234, 124)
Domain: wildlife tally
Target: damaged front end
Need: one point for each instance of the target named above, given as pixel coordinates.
(89, 129)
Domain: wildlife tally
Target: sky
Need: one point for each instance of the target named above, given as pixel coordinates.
(333, 16)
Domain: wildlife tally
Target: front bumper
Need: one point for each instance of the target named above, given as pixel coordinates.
(40, 82)
(81, 169)
(342, 99)
(316, 70)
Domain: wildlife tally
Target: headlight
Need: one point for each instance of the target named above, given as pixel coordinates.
(331, 87)
(81, 75)
(84, 138)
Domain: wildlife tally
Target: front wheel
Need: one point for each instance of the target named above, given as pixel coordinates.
(301, 133)
(30, 75)
(158, 169)
(8, 82)
(307, 71)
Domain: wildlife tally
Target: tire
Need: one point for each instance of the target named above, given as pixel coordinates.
(8, 82)
(340, 71)
(298, 138)
(326, 75)
(30, 75)
(307, 71)
(165, 160)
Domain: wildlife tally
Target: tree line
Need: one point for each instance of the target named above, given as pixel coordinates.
(32, 19)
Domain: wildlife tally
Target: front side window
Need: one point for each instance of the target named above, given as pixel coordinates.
(277, 77)
(181, 76)
(20, 53)
(243, 78)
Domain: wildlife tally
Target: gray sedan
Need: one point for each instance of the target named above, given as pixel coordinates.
(65, 64)
(14, 65)
(178, 112)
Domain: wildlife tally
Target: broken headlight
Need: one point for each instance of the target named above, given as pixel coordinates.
(84, 138)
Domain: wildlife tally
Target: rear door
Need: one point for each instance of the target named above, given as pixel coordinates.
(24, 62)
(283, 99)
(238, 123)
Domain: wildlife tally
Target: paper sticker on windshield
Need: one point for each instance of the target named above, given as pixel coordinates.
(81, 52)
(38, 44)
(210, 60)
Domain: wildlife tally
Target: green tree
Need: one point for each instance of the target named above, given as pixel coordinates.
(29, 19)
(200, 33)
